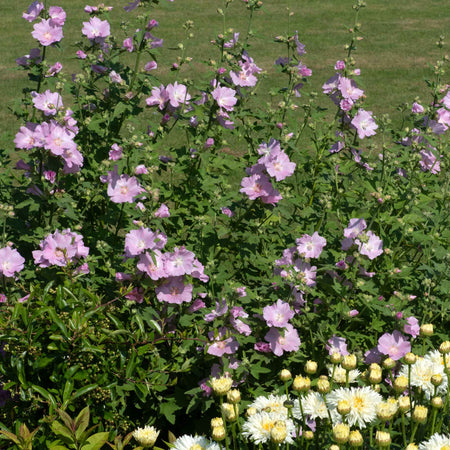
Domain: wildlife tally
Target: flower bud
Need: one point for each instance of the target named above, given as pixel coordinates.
(375, 376)
(234, 396)
(285, 375)
(410, 358)
(229, 411)
(389, 363)
(336, 357)
(375, 366)
(341, 433)
(311, 367)
(420, 414)
(436, 379)
(344, 407)
(444, 348)
(355, 439)
(412, 446)
(301, 384)
(308, 435)
(383, 438)
(401, 383)
(218, 433)
(146, 436)
(437, 402)
(251, 411)
(426, 329)
(334, 447)
(216, 422)
(349, 362)
(279, 432)
(221, 385)
(404, 403)
(323, 385)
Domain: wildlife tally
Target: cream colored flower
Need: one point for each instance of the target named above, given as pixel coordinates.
(259, 426)
(146, 436)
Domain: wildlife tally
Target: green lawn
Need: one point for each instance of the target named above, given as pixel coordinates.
(394, 56)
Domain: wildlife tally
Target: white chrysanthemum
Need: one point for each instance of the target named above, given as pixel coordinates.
(340, 374)
(272, 403)
(187, 442)
(146, 436)
(363, 402)
(422, 371)
(437, 358)
(257, 428)
(313, 405)
(436, 442)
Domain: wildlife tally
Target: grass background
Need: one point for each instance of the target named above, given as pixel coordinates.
(394, 56)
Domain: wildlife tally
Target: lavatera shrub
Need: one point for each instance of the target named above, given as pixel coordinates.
(162, 229)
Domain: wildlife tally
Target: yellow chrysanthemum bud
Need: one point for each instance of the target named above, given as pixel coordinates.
(383, 438)
(308, 435)
(436, 379)
(341, 433)
(336, 357)
(251, 411)
(216, 422)
(301, 384)
(234, 396)
(412, 446)
(221, 385)
(437, 402)
(426, 329)
(444, 348)
(375, 366)
(404, 403)
(323, 385)
(389, 363)
(410, 358)
(355, 439)
(218, 433)
(344, 407)
(375, 376)
(349, 362)
(311, 367)
(401, 383)
(420, 414)
(229, 411)
(279, 432)
(285, 375)
(334, 447)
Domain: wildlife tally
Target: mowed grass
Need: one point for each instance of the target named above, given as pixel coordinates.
(394, 56)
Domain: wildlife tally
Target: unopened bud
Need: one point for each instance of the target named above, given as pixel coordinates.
(323, 385)
(349, 362)
(383, 438)
(410, 358)
(285, 375)
(401, 383)
(218, 434)
(404, 403)
(420, 414)
(336, 357)
(341, 433)
(301, 384)
(311, 367)
(389, 363)
(355, 439)
(436, 379)
(426, 329)
(279, 432)
(444, 348)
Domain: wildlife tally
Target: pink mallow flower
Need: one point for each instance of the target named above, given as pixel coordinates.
(123, 188)
(96, 30)
(280, 342)
(137, 241)
(310, 246)
(177, 94)
(47, 33)
(364, 123)
(60, 249)
(162, 211)
(412, 327)
(174, 291)
(221, 345)
(337, 344)
(225, 97)
(394, 345)
(11, 262)
(279, 166)
(33, 11)
(48, 102)
(371, 247)
(278, 314)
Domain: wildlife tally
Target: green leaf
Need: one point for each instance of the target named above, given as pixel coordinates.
(81, 422)
(44, 393)
(96, 441)
(61, 430)
(10, 436)
(84, 390)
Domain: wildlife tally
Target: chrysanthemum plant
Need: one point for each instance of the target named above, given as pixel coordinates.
(159, 231)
